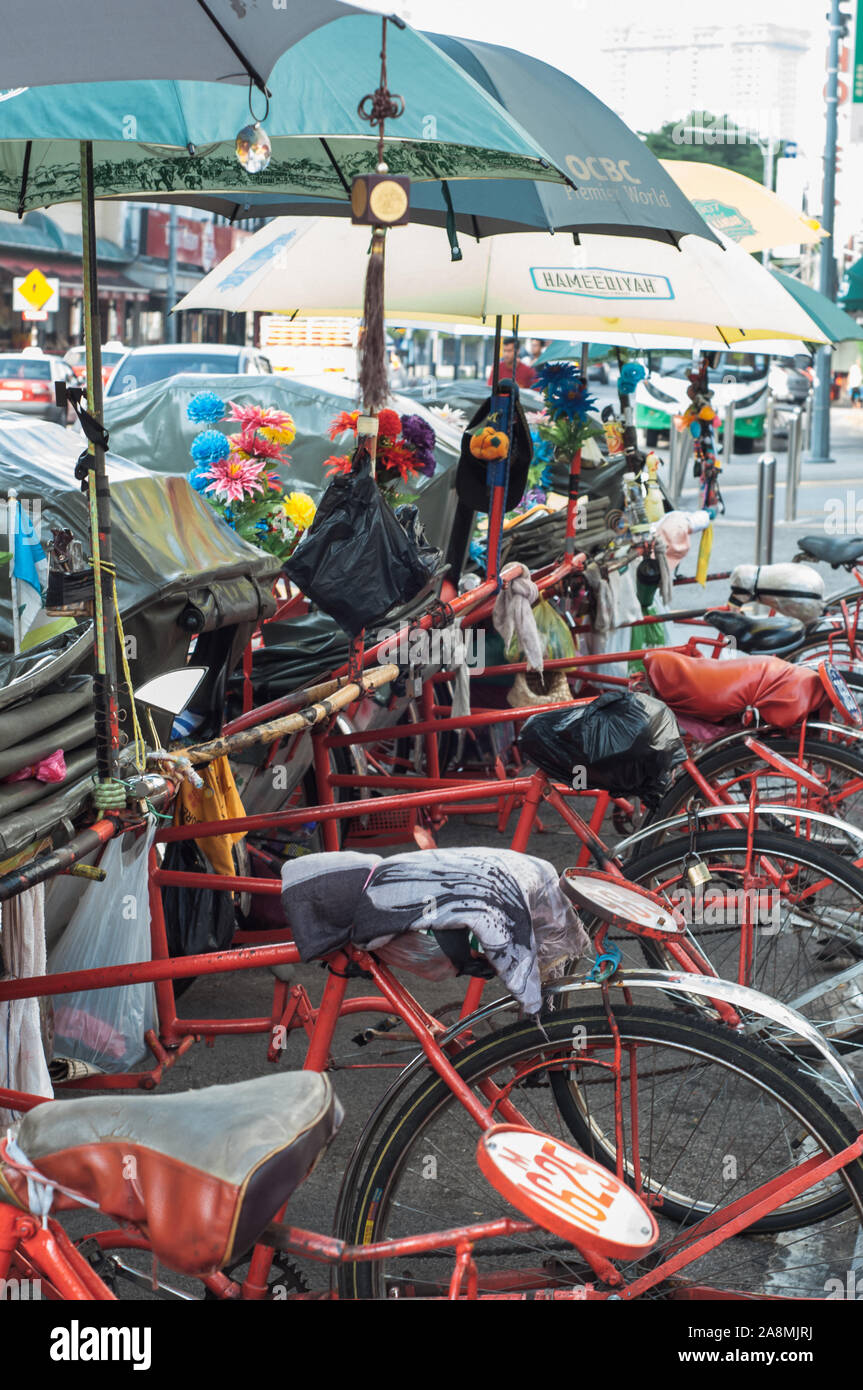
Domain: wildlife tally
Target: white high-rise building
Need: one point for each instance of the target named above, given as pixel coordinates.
(653, 73)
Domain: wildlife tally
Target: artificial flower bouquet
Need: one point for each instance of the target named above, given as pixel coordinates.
(567, 404)
(236, 473)
(405, 450)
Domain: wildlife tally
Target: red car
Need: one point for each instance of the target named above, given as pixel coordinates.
(27, 385)
(111, 354)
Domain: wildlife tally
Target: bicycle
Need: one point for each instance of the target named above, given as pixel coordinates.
(624, 1070)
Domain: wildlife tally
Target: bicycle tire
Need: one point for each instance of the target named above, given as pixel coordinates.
(388, 1196)
(717, 763)
(834, 930)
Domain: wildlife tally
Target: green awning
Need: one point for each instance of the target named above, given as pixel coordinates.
(834, 323)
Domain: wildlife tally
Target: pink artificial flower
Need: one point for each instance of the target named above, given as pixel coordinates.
(234, 478)
(256, 417)
(250, 445)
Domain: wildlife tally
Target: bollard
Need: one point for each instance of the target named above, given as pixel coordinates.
(806, 431)
(766, 507)
(728, 434)
(768, 423)
(792, 464)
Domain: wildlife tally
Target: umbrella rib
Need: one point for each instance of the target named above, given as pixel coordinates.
(331, 157)
(235, 49)
(25, 172)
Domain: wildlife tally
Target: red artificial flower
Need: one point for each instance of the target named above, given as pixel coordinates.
(345, 420)
(337, 464)
(389, 424)
(400, 458)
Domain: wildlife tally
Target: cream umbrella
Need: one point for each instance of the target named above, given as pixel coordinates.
(600, 284)
(742, 210)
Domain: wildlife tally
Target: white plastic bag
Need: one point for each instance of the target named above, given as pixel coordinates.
(418, 952)
(110, 926)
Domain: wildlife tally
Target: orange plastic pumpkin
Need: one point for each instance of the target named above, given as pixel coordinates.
(489, 443)
(707, 413)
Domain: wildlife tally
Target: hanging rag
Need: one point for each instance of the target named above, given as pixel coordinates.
(603, 617)
(217, 799)
(457, 658)
(22, 1054)
(510, 903)
(660, 550)
(513, 614)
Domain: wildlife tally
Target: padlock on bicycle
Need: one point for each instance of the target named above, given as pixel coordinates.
(696, 870)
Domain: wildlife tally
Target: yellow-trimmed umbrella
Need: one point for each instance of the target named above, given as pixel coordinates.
(742, 210)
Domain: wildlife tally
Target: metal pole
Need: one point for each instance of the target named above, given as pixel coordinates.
(791, 479)
(826, 269)
(769, 418)
(105, 681)
(171, 292)
(806, 431)
(728, 434)
(766, 508)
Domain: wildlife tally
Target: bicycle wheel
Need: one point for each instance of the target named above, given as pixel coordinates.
(808, 929)
(708, 1117)
(833, 647)
(732, 769)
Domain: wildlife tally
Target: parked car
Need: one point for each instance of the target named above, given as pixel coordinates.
(737, 377)
(27, 385)
(145, 365)
(111, 355)
(790, 378)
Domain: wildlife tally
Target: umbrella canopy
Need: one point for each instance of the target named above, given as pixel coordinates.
(161, 136)
(851, 290)
(701, 290)
(741, 209)
(617, 186)
(836, 325)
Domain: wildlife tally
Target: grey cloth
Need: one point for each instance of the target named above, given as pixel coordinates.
(513, 614)
(511, 903)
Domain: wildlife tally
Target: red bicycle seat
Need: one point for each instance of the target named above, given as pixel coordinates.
(201, 1173)
(715, 690)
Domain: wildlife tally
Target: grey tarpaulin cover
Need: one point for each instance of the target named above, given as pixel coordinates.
(149, 426)
(512, 903)
(168, 543)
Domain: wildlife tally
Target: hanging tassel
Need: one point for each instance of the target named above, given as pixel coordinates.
(374, 387)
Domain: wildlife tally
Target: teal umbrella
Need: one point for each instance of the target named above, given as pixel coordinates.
(160, 137)
(834, 323)
(60, 142)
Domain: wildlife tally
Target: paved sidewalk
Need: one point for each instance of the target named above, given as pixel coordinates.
(827, 491)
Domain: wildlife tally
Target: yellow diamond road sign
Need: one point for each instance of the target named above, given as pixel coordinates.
(36, 289)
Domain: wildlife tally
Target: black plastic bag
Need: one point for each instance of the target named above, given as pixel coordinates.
(409, 519)
(356, 561)
(197, 920)
(625, 743)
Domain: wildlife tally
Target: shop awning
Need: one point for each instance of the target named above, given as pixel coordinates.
(111, 282)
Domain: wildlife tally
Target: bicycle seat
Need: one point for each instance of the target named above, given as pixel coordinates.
(777, 636)
(832, 550)
(782, 694)
(201, 1173)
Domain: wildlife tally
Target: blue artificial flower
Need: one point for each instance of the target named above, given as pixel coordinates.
(210, 446)
(565, 390)
(205, 408)
(200, 478)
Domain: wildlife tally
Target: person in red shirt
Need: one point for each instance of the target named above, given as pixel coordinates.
(524, 374)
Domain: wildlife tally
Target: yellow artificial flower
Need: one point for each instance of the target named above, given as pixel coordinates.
(280, 434)
(300, 510)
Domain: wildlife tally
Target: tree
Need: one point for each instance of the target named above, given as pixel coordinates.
(710, 140)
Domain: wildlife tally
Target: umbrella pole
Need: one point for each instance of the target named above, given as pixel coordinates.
(498, 470)
(99, 499)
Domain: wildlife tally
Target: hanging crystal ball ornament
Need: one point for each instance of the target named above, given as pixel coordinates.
(253, 148)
